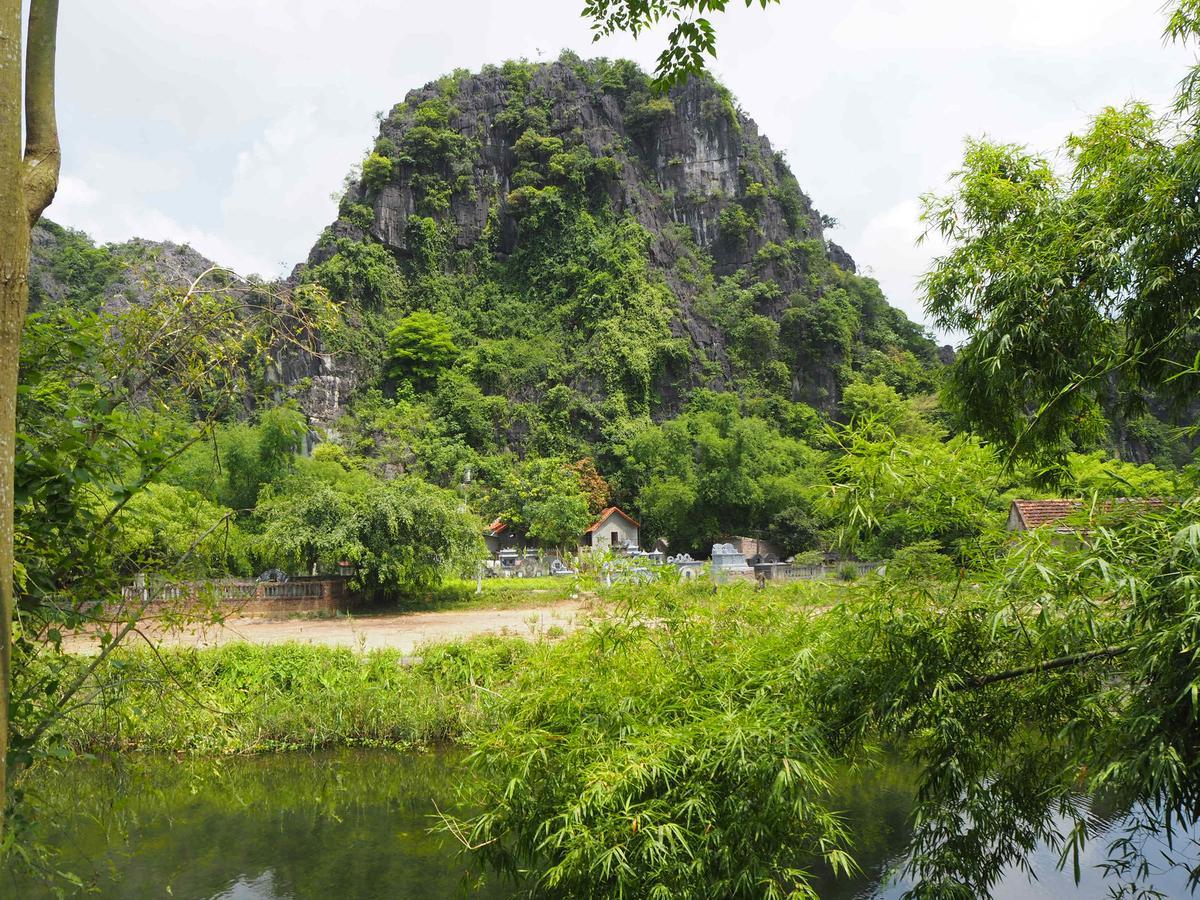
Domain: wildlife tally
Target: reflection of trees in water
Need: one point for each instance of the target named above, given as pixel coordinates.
(878, 801)
(354, 825)
(346, 824)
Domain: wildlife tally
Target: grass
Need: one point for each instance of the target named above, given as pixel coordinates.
(242, 698)
(500, 593)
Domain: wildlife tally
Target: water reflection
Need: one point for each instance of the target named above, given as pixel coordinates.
(877, 804)
(348, 825)
(354, 826)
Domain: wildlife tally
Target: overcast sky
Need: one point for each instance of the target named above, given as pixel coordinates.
(229, 124)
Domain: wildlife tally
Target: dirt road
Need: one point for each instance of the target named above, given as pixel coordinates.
(402, 631)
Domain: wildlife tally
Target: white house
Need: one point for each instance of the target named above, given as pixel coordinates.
(614, 530)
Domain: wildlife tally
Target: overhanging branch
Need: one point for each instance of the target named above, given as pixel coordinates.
(1061, 662)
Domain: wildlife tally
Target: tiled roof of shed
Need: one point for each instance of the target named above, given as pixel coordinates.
(1035, 513)
(604, 515)
(1041, 512)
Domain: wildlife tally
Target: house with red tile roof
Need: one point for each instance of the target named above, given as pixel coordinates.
(1024, 515)
(615, 529)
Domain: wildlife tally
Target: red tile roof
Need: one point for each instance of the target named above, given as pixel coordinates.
(1035, 513)
(497, 526)
(605, 514)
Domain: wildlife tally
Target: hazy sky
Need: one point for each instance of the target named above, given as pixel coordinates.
(228, 124)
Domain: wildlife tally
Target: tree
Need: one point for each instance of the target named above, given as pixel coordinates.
(1073, 280)
(713, 472)
(409, 535)
(420, 346)
(549, 497)
(691, 38)
(28, 181)
(162, 522)
(401, 535)
(558, 521)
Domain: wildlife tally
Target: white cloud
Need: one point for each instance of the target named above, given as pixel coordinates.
(280, 194)
(74, 194)
(890, 253)
(81, 206)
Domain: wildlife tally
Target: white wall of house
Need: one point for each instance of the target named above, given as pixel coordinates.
(626, 532)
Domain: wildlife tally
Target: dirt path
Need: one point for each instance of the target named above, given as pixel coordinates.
(402, 631)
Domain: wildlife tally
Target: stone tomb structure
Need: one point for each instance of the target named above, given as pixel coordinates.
(728, 562)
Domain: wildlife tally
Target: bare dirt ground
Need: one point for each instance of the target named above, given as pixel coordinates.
(402, 631)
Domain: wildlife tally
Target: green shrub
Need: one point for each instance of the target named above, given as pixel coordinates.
(735, 227)
(359, 215)
(377, 171)
(921, 561)
(645, 115)
(657, 755)
(420, 347)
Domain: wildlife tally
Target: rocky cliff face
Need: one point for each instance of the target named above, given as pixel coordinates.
(682, 159)
(477, 158)
(66, 267)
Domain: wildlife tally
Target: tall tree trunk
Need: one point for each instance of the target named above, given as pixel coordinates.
(14, 271)
(27, 184)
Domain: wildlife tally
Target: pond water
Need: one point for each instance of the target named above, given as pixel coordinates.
(354, 825)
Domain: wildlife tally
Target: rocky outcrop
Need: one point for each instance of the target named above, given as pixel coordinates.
(66, 267)
(683, 159)
(690, 167)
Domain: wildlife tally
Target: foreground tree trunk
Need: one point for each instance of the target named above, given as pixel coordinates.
(27, 184)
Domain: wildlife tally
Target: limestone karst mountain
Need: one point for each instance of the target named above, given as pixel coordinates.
(596, 251)
(604, 249)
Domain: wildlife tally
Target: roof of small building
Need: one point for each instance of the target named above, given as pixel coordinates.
(608, 513)
(497, 526)
(1035, 513)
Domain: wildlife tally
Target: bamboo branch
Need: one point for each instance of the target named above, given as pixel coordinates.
(1061, 662)
(42, 152)
(457, 833)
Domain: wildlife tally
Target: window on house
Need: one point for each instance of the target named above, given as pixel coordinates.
(616, 538)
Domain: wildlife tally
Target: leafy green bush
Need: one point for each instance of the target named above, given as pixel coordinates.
(735, 227)
(362, 272)
(163, 523)
(922, 561)
(420, 347)
(377, 171)
(643, 115)
(660, 754)
(401, 535)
